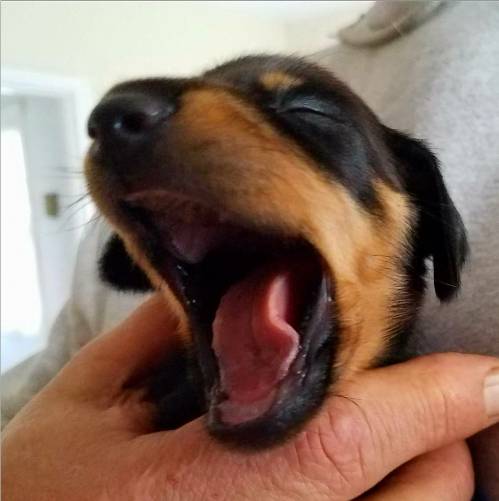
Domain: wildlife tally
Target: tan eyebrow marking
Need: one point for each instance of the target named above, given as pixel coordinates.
(278, 79)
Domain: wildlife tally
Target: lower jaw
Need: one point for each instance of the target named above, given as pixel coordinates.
(234, 413)
(275, 417)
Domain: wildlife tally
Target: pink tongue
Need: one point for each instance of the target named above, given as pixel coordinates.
(254, 341)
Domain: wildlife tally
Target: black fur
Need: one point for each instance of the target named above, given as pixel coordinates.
(177, 390)
(439, 233)
(117, 268)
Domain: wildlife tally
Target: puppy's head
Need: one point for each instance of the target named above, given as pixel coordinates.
(289, 225)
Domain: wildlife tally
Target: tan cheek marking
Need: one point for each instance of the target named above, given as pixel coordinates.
(366, 260)
(364, 253)
(278, 79)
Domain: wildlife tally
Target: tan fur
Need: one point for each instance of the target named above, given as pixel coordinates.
(234, 161)
(278, 79)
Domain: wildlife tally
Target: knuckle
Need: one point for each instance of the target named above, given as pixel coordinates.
(337, 449)
(436, 418)
(440, 403)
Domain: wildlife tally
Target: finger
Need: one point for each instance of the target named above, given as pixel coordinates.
(394, 414)
(445, 474)
(133, 347)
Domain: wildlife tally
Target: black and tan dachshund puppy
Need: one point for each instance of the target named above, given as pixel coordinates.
(287, 226)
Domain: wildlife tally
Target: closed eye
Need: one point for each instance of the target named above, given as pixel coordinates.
(310, 105)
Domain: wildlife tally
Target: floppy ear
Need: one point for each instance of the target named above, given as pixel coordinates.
(118, 269)
(440, 233)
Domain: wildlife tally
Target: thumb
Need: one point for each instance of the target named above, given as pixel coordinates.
(380, 420)
(386, 417)
(116, 358)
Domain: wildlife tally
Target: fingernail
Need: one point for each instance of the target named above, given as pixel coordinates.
(491, 393)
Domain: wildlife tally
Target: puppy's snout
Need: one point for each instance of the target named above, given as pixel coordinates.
(127, 120)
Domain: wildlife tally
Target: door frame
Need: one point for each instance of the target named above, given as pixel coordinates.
(75, 100)
(74, 93)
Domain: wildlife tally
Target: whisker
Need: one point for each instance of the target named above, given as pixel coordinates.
(445, 283)
(77, 201)
(75, 212)
(73, 228)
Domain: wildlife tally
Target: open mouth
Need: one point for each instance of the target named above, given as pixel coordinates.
(260, 308)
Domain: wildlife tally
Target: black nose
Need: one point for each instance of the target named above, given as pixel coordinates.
(127, 118)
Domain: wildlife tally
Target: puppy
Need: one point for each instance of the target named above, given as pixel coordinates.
(288, 226)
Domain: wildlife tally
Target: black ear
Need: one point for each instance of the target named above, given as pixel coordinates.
(440, 233)
(118, 269)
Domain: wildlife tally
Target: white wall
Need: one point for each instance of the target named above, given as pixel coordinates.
(106, 41)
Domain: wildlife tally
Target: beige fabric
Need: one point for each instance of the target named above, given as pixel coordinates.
(387, 20)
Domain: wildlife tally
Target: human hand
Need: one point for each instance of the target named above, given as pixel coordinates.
(87, 435)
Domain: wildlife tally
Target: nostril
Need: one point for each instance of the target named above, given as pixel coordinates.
(127, 118)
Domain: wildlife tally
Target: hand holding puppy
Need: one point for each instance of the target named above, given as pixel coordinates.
(399, 429)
